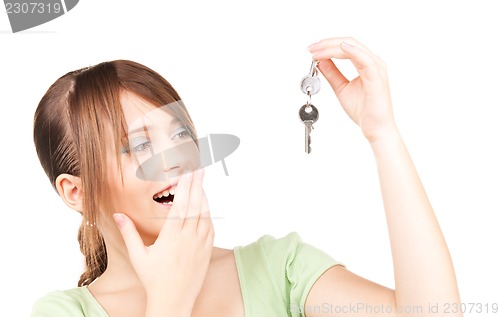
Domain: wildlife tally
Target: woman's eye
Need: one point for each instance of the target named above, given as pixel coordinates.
(142, 147)
(140, 144)
(180, 133)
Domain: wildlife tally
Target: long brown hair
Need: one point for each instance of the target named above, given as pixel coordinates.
(69, 134)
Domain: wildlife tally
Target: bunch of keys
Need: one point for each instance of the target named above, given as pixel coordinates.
(308, 113)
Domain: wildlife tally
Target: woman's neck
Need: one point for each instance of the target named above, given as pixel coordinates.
(119, 274)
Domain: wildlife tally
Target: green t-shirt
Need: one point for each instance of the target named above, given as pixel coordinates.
(275, 277)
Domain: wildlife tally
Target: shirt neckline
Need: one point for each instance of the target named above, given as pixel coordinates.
(94, 300)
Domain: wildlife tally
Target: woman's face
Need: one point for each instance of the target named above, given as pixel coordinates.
(158, 150)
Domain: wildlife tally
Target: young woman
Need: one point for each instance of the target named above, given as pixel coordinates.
(119, 146)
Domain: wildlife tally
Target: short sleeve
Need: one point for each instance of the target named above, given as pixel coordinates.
(76, 302)
(298, 265)
(56, 304)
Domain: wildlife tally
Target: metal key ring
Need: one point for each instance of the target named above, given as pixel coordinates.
(313, 71)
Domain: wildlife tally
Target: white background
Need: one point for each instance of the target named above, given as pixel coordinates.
(238, 68)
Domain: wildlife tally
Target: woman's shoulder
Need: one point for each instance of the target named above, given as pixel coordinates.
(71, 302)
(272, 245)
(268, 239)
(286, 252)
(273, 269)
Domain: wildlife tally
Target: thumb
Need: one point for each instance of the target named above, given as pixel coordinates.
(132, 239)
(333, 75)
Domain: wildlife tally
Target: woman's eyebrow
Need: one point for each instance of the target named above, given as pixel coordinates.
(140, 129)
(146, 128)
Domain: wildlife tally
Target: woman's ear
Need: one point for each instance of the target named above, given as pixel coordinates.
(69, 188)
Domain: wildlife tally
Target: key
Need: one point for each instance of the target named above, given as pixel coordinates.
(309, 115)
(311, 84)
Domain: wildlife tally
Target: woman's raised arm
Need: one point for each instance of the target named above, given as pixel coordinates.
(425, 282)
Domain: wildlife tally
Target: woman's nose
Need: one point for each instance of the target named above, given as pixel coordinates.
(170, 161)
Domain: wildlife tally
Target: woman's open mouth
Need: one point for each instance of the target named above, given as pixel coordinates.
(165, 197)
